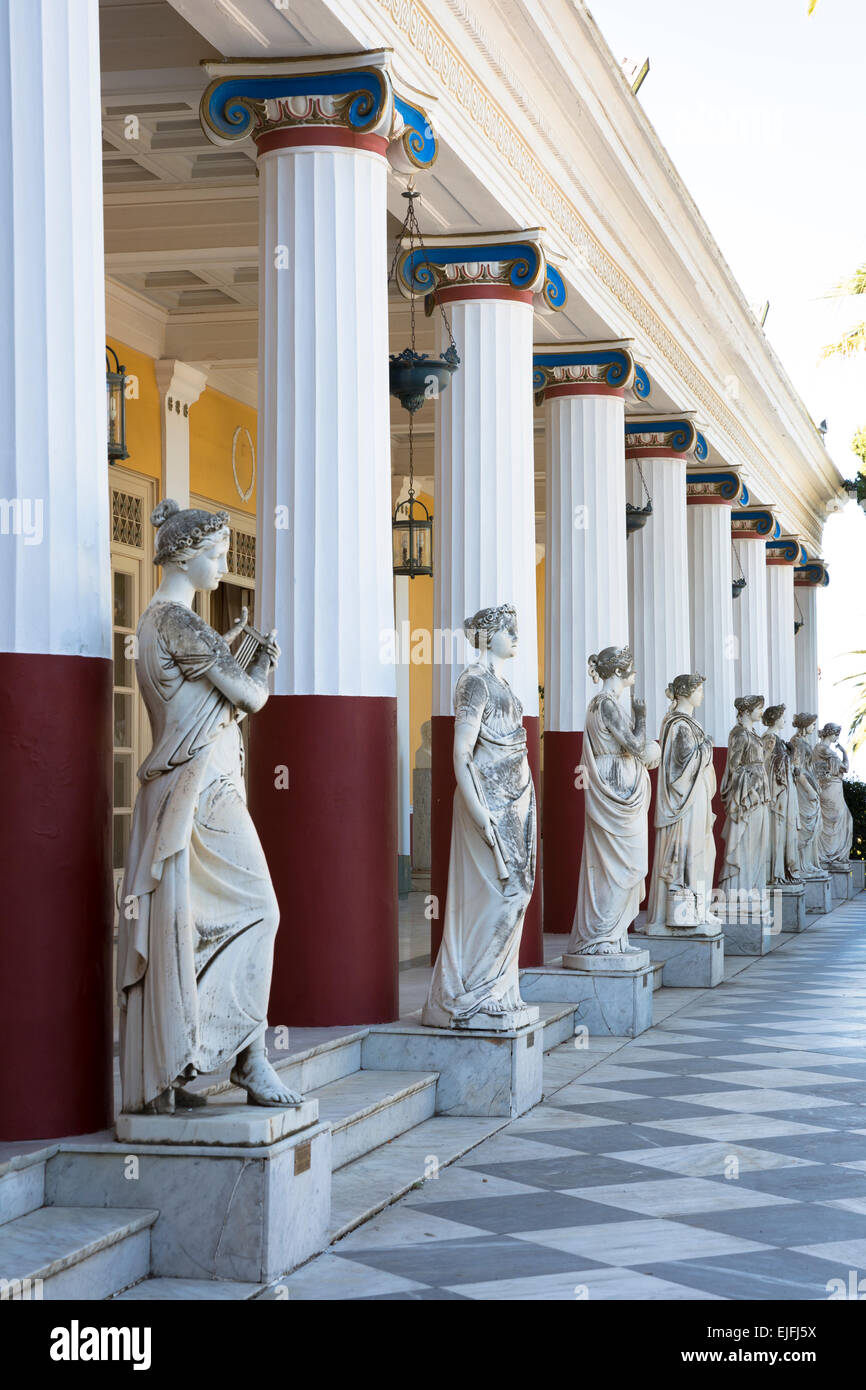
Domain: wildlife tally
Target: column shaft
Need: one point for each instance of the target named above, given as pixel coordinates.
(806, 650)
(658, 583)
(484, 541)
(781, 678)
(752, 672)
(325, 580)
(586, 609)
(55, 620)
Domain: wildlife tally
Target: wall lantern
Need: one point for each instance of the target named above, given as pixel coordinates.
(115, 393)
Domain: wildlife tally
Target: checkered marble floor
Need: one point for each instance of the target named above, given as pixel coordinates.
(721, 1155)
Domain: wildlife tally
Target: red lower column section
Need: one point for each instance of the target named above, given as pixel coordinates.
(323, 794)
(720, 758)
(443, 784)
(562, 818)
(56, 922)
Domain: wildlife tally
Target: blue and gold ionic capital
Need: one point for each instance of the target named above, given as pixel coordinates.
(754, 523)
(489, 265)
(784, 550)
(723, 486)
(588, 368)
(812, 573)
(348, 99)
(663, 435)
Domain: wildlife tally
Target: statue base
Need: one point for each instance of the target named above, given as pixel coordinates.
(819, 895)
(841, 883)
(482, 1071)
(611, 1000)
(249, 1213)
(858, 869)
(691, 958)
(217, 1123)
(789, 906)
(747, 936)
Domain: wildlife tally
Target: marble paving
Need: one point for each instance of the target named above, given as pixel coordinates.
(719, 1156)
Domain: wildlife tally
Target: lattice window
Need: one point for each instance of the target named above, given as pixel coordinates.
(126, 520)
(242, 555)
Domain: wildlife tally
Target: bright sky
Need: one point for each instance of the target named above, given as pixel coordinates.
(762, 110)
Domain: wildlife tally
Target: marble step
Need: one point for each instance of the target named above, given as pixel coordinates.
(77, 1252)
(370, 1108)
(22, 1181)
(369, 1184)
(187, 1290)
(314, 1057)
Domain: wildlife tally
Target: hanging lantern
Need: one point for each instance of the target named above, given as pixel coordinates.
(737, 585)
(115, 391)
(412, 538)
(416, 376)
(636, 518)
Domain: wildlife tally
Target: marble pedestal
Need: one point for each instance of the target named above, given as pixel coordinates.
(217, 1124)
(841, 884)
(858, 869)
(789, 906)
(250, 1212)
(481, 1072)
(691, 957)
(819, 895)
(612, 999)
(421, 799)
(747, 936)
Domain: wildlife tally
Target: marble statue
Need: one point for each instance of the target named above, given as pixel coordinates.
(616, 756)
(808, 795)
(783, 811)
(685, 851)
(199, 914)
(830, 764)
(745, 792)
(491, 871)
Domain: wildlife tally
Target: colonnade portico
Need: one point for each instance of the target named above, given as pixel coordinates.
(781, 678)
(808, 579)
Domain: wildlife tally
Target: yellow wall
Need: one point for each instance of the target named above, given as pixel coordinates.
(143, 436)
(212, 424)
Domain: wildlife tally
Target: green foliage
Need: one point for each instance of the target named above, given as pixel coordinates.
(855, 796)
(858, 446)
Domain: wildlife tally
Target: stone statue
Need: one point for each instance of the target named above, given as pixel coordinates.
(491, 871)
(808, 795)
(745, 792)
(783, 813)
(830, 764)
(615, 759)
(685, 851)
(199, 914)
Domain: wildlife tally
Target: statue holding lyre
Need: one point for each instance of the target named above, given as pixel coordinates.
(198, 912)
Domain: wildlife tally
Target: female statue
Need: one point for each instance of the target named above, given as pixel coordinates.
(745, 791)
(197, 929)
(808, 795)
(685, 851)
(491, 872)
(830, 764)
(783, 824)
(615, 759)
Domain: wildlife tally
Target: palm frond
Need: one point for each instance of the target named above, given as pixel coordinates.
(812, 4)
(854, 341)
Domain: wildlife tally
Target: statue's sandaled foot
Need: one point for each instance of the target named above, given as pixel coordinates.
(261, 1083)
(163, 1104)
(188, 1100)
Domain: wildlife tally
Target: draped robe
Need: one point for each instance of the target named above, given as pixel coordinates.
(198, 912)
(685, 851)
(837, 831)
(744, 791)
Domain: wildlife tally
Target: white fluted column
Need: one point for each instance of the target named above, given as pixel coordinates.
(751, 671)
(55, 576)
(806, 647)
(782, 679)
(323, 775)
(658, 569)
(586, 593)
(711, 605)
